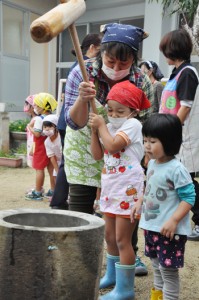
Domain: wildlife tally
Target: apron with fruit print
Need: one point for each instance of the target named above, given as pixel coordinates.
(122, 182)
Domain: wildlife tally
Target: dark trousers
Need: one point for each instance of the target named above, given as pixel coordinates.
(61, 191)
(195, 208)
(82, 198)
(60, 195)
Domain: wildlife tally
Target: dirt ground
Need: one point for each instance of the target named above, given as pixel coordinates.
(15, 182)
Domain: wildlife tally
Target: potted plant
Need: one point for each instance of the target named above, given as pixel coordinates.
(18, 132)
(18, 126)
(8, 159)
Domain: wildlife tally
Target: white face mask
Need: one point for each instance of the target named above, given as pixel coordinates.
(115, 75)
(117, 122)
(38, 110)
(50, 132)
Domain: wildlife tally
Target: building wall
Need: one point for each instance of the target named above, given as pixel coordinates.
(37, 71)
(29, 72)
(36, 6)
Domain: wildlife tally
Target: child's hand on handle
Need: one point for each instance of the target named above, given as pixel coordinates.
(95, 121)
(87, 91)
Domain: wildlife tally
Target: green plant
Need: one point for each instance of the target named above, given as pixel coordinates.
(22, 149)
(8, 154)
(19, 125)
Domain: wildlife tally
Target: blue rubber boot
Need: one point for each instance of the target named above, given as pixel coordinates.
(124, 289)
(109, 278)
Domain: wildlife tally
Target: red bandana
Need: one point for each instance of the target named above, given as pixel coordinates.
(129, 95)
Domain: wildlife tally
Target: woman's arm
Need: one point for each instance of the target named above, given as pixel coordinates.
(186, 89)
(79, 110)
(183, 113)
(77, 97)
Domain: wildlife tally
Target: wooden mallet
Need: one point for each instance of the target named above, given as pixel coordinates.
(63, 16)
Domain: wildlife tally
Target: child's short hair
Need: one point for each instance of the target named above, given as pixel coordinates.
(167, 128)
(48, 124)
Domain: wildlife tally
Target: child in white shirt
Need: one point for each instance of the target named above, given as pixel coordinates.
(53, 141)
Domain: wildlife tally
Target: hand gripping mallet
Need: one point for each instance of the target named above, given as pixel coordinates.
(63, 16)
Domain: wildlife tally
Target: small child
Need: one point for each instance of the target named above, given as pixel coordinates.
(169, 196)
(53, 142)
(120, 143)
(29, 109)
(44, 104)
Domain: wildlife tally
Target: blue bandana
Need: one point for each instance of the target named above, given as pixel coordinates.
(126, 34)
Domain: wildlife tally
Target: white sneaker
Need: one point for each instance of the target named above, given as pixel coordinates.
(194, 236)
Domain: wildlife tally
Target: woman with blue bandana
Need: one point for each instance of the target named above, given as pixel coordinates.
(116, 62)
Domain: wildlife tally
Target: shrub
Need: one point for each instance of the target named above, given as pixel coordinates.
(19, 125)
(8, 154)
(22, 149)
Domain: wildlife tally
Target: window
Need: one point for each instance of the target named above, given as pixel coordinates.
(64, 46)
(14, 31)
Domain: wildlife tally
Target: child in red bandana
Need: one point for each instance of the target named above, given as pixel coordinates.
(120, 143)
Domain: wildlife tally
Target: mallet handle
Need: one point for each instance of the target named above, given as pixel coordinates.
(76, 44)
(78, 51)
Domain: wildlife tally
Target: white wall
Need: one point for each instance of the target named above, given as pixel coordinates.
(33, 73)
(42, 66)
(114, 12)
(37, 6)
(42, 56)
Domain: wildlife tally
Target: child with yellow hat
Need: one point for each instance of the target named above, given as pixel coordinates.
(44, 104)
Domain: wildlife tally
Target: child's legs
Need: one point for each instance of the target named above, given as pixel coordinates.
(50, 172)
(158, 281)
(170, 254)
(40, 175)
(110, 235)
(171, 285)
(124, 231)
(166, 280)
